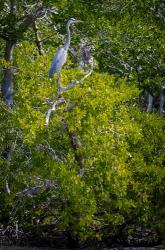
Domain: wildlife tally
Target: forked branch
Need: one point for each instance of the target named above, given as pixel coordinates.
(61, 90)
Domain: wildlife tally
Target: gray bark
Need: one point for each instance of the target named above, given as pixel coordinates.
(11, 39)
(150, 103)
(37, 39)
(7, 84)
(76, 145)
(161, 101)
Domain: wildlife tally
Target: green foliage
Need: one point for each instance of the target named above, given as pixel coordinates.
(122, 177)
(123, 156)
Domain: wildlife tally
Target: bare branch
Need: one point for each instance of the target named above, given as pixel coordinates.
(50, 151)
(46, 38)
(7, 189)
(60, 99)
(58, 102)
(150, 103)
(29, 19)
(35, 190)
(76, 82)
(76, 145)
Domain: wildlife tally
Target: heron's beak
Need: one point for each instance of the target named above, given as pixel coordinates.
(79, 21)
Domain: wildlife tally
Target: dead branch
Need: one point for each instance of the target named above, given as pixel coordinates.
(48, 149)
(35, 190)
(29, 19)
(76, 82)
(150, 103)
(37, 39)
(75, 143)
(58, 102)
(61, 90)
(7, 189)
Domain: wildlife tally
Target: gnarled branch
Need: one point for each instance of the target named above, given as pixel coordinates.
(37, 39)
(58, 102)
(29, 19)
(36, 189)
(61, 90)
(76, 145)
(50, 151)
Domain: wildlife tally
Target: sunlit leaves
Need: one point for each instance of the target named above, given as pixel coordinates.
(122, 177)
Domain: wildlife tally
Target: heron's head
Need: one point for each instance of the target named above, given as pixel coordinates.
(72, 21)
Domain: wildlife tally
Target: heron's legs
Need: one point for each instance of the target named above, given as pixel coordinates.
(59, 82)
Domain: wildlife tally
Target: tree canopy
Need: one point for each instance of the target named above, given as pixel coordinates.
(98, 160)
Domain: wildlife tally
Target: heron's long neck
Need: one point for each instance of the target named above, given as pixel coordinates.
(67, 42)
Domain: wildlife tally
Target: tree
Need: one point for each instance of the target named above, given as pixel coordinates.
(16, 18)
(88, 160)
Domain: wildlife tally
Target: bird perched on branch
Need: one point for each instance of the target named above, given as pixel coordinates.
(60, 57)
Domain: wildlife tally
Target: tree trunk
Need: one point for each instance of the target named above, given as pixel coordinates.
(76, 145)
(7, 84)
(37, 39)
(161, 101)
(150, 103)
(7, 93)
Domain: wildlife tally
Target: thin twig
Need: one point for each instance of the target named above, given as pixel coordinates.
(51, 152)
